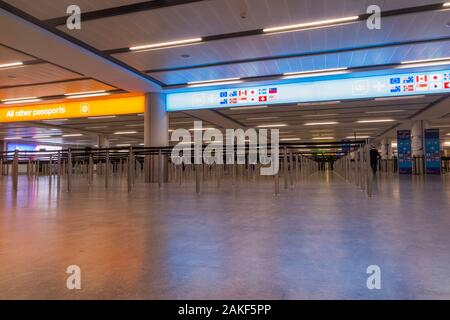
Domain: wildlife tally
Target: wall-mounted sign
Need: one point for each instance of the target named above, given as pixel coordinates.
(404, 151)
(321, 90)
(432, 151)
(74, 109)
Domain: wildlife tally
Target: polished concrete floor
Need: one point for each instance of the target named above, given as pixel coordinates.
(242, 242)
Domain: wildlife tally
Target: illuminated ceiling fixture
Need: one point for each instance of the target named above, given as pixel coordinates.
(375, 121)
(320, 123)
(312, 73)
(163, 45)
(88, 95)
(12, 64)
(272, 125)
(447, 143)
(72, 135)
(249, 108)
(320, 115)
(123, 145)
(125, 132)
(358, 137)
(425, 62)
(290, 139)
(385, 111)
(84, 92)
(200, 129)
(41, 137)
(101, 117)
(400, 98)
(263, 118)
(447, 4)
(13, 138)
(323, 138)
(317, 103)
(308, 25)
(216, 82)
(21, 100)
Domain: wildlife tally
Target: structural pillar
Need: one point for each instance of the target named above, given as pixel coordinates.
(103, 141)
(156, 134)
(417, 145)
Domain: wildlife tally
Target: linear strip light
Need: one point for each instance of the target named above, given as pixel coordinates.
(320, 115)
(290, 139)
(205, 83)
(358, 137)
(302, 26)
(125, 132)
(425, 62)
(89, 95)
(72, 135)
(375, 121)
(101, 117)
(21, 101)
(320, 123)
(447, 4)
(249, 108)
(166, 44)
(84, 92)
(312, 73)
(323, 138)
(400, 98)
(318, 103)
(272, 125)
(385, 111)
(12, 138)
(12, 64)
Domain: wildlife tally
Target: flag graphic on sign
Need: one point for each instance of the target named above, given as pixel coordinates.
(224, 94)
(242, 93)
(408, 88)
(422, 87)
(422, 78)
(436, 86)
(435, 77)
(262, 98)
(407, 80)
(273, 90)
(446, 76)
(395, 89)
(447, 85)
(395, 80)
(233, 100)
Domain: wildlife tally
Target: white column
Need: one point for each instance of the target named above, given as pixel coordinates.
(385, 149)
(156, 134)
(156, 121)
(103, 141)
(417, 135)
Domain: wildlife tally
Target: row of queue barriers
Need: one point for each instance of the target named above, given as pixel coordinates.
(70, 167)
(66, 168)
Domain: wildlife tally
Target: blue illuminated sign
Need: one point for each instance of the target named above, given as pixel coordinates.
(316, 91)
(432, 151)
(404, 151)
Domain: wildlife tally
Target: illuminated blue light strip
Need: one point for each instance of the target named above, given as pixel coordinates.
(368, 87)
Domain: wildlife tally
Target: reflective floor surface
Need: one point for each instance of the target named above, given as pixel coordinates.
(237, 242)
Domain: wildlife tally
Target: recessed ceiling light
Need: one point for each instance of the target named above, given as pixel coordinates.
(318, 103)
(84, 92)
(425, 62)
(169, 44)
(13, 138)
(400, 98)
(320, 115)
(101, 117)
(22, 100)
(385, 111)
(277, 125)
(307, 25)
(12, 64)
(89, 95)
(320, 123)
(125, 132)
(72, 135)
(375, 121)
(205, 83)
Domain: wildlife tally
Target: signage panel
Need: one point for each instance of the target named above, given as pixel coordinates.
(404, 151)
(73, 109)
(432, 151)
(394, 85)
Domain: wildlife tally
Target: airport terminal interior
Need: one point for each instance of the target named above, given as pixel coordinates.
(347, 101)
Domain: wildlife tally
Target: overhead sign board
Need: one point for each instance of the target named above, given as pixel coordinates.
(73, 109)
(393, 85)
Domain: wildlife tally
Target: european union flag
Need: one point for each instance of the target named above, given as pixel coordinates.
(224, 94)
(395, 80)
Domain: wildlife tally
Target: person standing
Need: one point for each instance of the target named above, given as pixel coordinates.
(374, 157)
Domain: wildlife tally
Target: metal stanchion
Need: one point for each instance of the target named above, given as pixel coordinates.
(197, 178)
(160, 168)
(69, 170)
(285, 168)
(129, 169)
(15, 170)
(107, 169)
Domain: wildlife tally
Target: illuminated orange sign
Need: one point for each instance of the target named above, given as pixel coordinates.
(73, 109)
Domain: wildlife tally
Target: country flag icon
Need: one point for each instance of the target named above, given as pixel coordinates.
(422, 87)
(262, 98)
(447, 85)
(422, 78)
(436, 77)
(436, 86)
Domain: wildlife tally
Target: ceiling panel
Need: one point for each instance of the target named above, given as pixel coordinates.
(54, 89)
(36, 73)
(216, 17)
(8, 55)
(46, 9)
